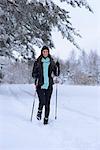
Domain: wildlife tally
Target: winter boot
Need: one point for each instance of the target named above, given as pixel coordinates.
(39, 115)
(45, 121)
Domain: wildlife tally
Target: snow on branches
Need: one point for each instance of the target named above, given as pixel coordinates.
(31, 21)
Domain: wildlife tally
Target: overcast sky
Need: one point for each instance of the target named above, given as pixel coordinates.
(88, 25)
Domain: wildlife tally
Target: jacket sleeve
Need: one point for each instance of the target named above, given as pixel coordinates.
(35, 70)
(56, 69)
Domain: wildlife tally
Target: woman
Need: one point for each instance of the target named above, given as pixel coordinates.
(43, 70)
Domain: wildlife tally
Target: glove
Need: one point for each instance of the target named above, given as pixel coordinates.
(57, 64)
(58, 70)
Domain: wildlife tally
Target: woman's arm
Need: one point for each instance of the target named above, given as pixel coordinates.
(35, 72)
(56, 69)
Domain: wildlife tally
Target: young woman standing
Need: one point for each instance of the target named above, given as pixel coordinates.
(43, 70)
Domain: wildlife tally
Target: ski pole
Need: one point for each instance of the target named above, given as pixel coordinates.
(56, 100)
(33, 106)
(58, 71)
(56, 95)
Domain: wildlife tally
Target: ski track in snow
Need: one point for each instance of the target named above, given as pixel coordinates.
(77, 126)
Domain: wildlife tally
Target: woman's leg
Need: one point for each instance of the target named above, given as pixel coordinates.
(48, 94)
(41, 96)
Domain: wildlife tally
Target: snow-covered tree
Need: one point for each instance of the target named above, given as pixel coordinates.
(94, 66)
(83, 70)
(17, 72)
(25, 22)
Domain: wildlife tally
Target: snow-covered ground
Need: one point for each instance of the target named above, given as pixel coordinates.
(76, 128)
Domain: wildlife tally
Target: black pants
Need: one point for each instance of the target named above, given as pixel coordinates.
(44, 96)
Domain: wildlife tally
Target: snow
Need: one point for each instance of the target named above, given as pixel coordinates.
(77, 126)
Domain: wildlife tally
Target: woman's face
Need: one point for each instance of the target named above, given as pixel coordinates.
(45, 53)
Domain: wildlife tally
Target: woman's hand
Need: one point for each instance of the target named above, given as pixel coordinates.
(57, 64)
(36, 83)
(58, 68)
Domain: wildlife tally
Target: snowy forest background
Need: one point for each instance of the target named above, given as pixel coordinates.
(24, 24)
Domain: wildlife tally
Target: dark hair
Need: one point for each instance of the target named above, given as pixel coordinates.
(44, 47)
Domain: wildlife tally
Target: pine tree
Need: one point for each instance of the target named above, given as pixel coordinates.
(25, 22)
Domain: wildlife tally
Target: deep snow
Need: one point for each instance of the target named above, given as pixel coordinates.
(76, 128)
